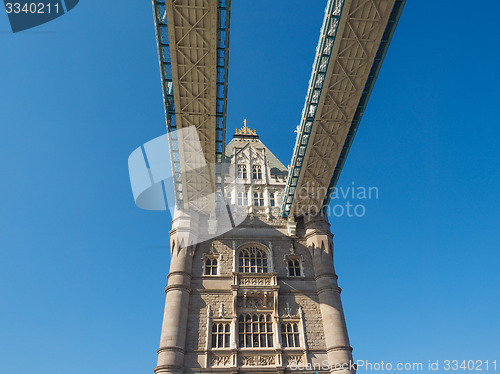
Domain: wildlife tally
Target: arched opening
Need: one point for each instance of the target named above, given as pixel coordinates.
(252, 259)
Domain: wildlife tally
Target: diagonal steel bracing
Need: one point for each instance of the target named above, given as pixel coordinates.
(193, 47)
(346, 65)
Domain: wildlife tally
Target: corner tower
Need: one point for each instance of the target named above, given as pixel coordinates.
(262, 297)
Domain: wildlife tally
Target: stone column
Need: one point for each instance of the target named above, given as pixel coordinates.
(266, 197)
(320, 244)
(250, 197)
(234, 324)
(233, 196)
(174, 329)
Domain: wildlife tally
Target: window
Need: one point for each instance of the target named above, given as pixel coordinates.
(290, 335)
(252, 260)
(221, 334)
(257, 172)
(242, 198)
(211, 266)
(242, 171)
(255, 330)
(272, 200)
(258, 199)
(294, 268)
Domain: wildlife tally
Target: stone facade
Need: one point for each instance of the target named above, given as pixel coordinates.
(262, 297)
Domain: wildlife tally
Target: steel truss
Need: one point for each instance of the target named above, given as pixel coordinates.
(193, 48)
(344, 72)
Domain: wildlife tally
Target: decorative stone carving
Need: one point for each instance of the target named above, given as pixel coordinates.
(288, 310)
(257, 360)
(255, 281)
(254, 302)
(220, 360)
(294, 360)
(300, 312)
(222, 311)
(212, 251)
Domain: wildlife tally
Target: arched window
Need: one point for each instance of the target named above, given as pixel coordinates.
(242, 171)
(290, 335)
(257, 172)
(272, 199)
(255, 330)
(258, 199)
(252, 260)
(221, 334)
(294, 268)
(211, 264)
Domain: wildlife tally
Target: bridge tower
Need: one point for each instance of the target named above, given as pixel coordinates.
(262, 297)
(252, 286)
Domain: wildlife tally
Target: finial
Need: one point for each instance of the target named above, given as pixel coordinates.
(221, 310)
(288, 310)
(212, 249)
(245, 130)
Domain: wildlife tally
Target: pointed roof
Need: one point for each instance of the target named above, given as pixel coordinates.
(246, 136)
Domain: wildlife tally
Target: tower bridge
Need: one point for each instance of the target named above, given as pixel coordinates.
(252, 285)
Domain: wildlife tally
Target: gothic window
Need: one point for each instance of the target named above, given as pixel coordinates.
(252, 260)
(255, 330)
(242, 198)
(257, 172)
(272, 200)
(221, 335)
(211, 264)
(290, 335)
(294, 268)
(242, 171)
(258, 199)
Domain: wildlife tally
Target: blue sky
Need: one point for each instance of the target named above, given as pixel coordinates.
(83, 270)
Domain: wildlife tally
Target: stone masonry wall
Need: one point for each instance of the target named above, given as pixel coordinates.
(301, 292)
(197, 317)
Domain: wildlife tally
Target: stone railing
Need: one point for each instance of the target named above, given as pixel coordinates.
(255, 280)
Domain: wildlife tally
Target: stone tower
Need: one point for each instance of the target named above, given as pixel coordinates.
(260, 298)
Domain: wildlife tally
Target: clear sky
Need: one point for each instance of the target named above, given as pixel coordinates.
(83, 270)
